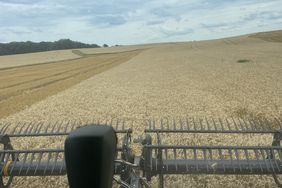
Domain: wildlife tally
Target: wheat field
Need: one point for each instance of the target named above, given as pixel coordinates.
(25, 85)
(194, 79)
(35, 58)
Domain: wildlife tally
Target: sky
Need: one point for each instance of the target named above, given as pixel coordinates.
(135, 21)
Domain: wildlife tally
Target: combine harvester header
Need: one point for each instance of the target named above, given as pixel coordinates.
(98, 155)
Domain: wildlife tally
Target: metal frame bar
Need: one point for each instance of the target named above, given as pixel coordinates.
(252, 160)
(55, 129)
(211, 125)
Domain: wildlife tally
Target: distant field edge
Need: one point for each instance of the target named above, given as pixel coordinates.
(269, 36)
(85, 55)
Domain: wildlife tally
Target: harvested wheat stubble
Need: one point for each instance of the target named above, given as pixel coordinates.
(175, 80)
(23, 86)
(35, 58)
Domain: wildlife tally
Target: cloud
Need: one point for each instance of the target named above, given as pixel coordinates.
(135, 21)
(20, 7)
(215, 25)
(108, 20)
(241, 17)
(263, 16)
(155, 22)
(171, 33)
(174, 27)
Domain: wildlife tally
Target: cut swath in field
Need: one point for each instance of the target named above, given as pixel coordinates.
(23, 86)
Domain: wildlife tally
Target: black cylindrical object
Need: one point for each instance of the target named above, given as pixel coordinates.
(36, 169)
(242, 167)
(89, 154)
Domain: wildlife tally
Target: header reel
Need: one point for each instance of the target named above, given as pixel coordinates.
(156, 159)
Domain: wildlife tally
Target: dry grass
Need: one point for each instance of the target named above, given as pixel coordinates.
(174, 80)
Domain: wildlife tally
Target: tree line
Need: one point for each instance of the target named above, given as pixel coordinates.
(29, 47)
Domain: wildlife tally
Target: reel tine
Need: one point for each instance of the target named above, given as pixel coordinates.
(228, 125)
(111, 123)
(62, 166)
(205, 158)
(117, 124)
(234, 122)
(66, 127)
(2, 159)
(214, 124)
(175, 157)
(30, 162)
(185, 157)
(248, 122)
(73, 126)
(35, 128)
(162, 126)
(30, 128)
(231, 158)
(237, 158)
(195, 127)
(54, 126)
(166, 156)
(15, 161)
(150, 124)
(221, 157)
(14, 130)
(248, 158)
(253, 125)
(59, 128)
(48, 161)
(257, 158)
(201, 124)
(264, 159)
(278, 123)
(268, 157)
(195, 158)
(123, 125)
(40, 128)
(154, 125)
(23, 163)
(181, 124)
(47, 127)
(167, 122)
(243, 126)
(55, 161)
(187, 123)
(269, 124)
(39, 161)
(221, 124)
(273, 153)
(207, 122)
(174, 124)
(4, 127)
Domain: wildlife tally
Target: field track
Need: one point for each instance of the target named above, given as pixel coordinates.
(25, 85)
